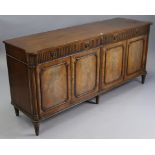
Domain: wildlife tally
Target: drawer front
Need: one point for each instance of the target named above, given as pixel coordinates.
(85, 73)
(54, 84)
(112, 68)
(135, 58)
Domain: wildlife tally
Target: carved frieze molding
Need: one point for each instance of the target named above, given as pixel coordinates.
(71, 48)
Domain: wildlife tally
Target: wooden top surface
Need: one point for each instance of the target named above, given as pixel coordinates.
(40, 41)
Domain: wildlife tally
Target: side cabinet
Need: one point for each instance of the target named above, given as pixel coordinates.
(53, 71)
(54, 85)
(85, 74)
(112, 64)
(136, 56)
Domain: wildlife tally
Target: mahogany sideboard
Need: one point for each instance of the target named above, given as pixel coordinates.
(53, 71)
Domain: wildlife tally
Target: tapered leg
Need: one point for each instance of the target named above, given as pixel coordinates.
(16, 111)
(36, 127)
(97, 99)
(143, 79)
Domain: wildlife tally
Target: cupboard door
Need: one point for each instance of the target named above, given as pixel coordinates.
(85, 73)
(54, 84)
(112, 60)
(135, 59)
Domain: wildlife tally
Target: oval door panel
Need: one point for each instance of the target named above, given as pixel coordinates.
(85, 73)
(54, 83)
(112, 69)
(135, 55)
